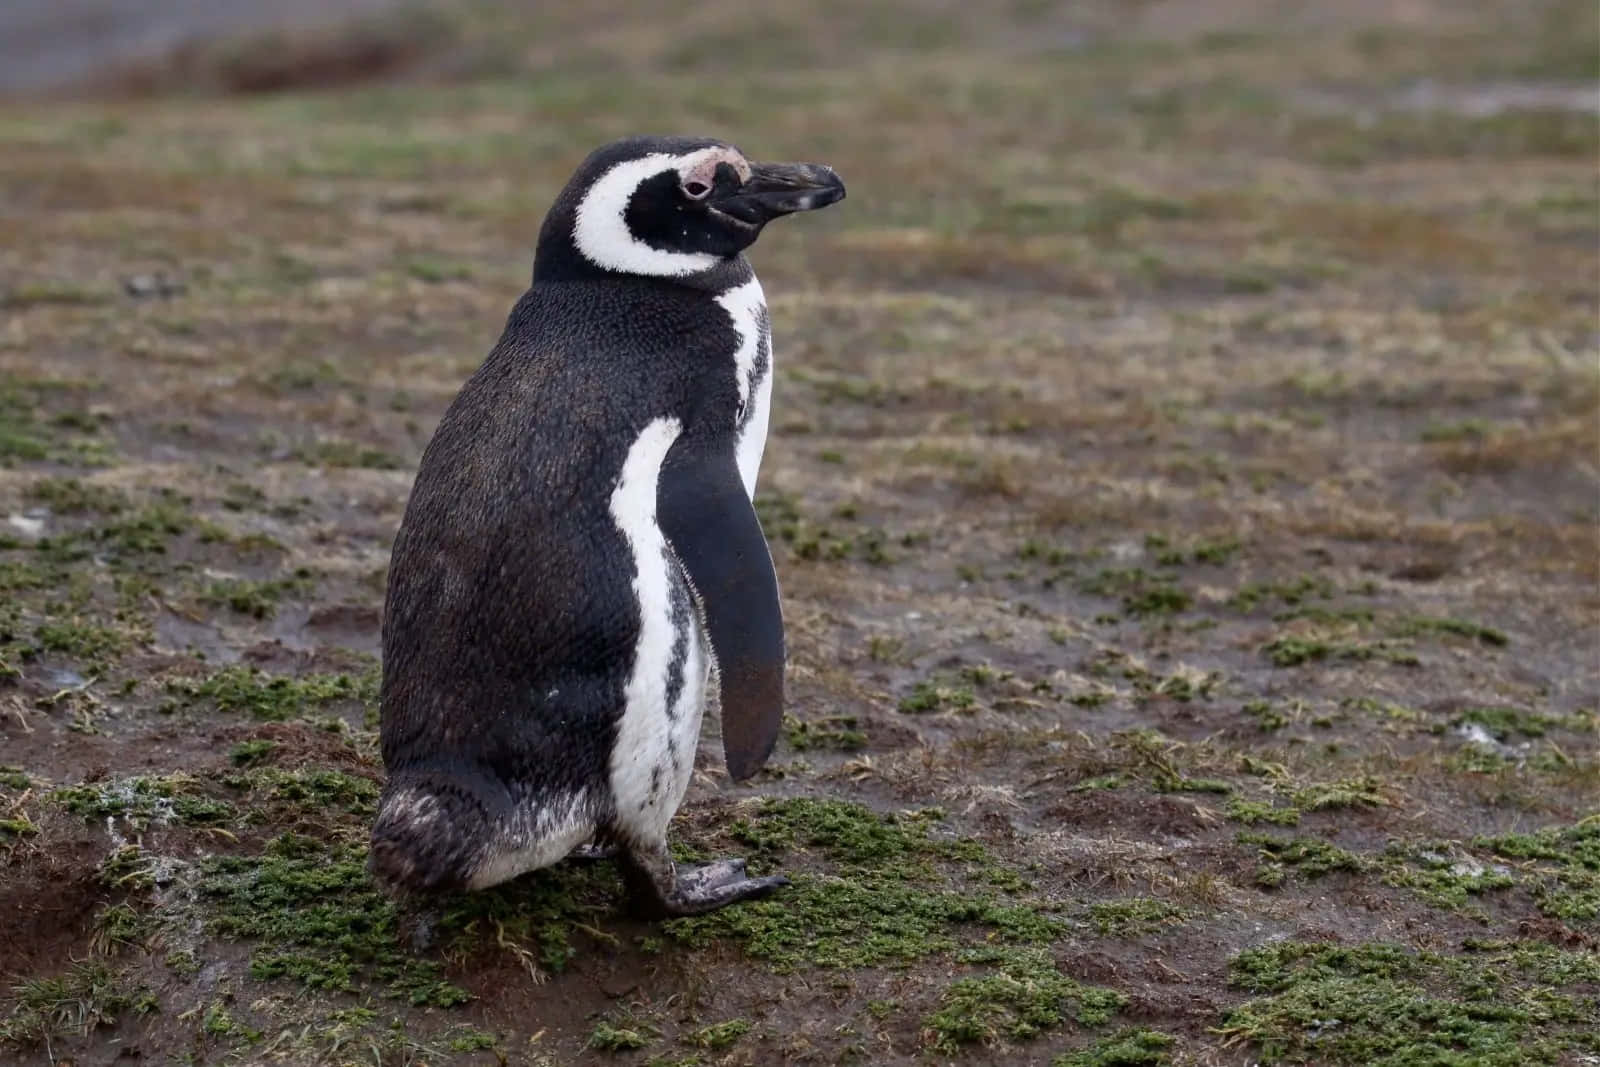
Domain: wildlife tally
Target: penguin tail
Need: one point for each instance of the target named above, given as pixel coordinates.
(428, 834)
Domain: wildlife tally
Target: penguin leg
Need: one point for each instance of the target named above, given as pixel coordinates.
(662, 889)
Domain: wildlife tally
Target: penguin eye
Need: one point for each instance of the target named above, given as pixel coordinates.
(695, 189)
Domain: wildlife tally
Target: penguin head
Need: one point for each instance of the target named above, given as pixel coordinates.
(671, 207)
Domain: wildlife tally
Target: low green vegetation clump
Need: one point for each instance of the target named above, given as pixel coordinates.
(1311, 857)
(838, 732)
(83, 998)
(1128, 1048)
(1498, 1004)
(886, 901)
(1561, 865)
(314, 917)
(1023, 995)
(271, 697)
(142, 801)
(1131, 916)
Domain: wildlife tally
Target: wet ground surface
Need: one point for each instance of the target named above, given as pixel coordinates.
(1183, 484)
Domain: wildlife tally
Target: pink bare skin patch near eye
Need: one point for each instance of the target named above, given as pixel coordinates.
(702, 166)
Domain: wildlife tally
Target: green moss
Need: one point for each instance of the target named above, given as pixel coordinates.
(469, 1039)
(720, 1035)
(79, 640)
(118, 926)
(315, 918)
(1141, 592)
(1266, 716)
(885, 904)
(1128, 1048)
(1504, 723)
(1310, 856)
(1132, 916)
(1395, 1007)
(1360, 792)
(258, 599)
(13, 778)
(929, 696)
(275, 697)
(70, 496)
(336, 452)
(1439, 876)
(246, 753)
(623, 1035)
(1291, 592)
(838, 732)
(1253, 812)
(1417, 625)
(1292, 651)
(535, 918)
(83, 998)
(146, 800)
(1023, 996)
(314, 791)
(1562, 864)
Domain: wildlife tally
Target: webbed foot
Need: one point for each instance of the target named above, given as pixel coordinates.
(661, 889)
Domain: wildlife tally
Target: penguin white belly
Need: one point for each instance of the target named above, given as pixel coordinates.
(653, 758)
(746, 306)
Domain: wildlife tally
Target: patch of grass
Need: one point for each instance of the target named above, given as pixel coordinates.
(883, 906)
(1421, 625)
(1360, 792)
(931, 696)
(248, 753)
(87, 996)
(313, 790)
(1023, 996)
(316, 919)
(258, 599)
(1291, 592)
(1127, 1048)
(1132, 916)
(1503, 723)
(608, 1036)
(1142, 593)
(1267, 717)
(79, 640)
(1395, 1007)
(337, 452)
(1441, 874)
(837, 732)
(70, 496)
(1294, 651)
(13, 778)
(720, 1035)
(142, 801)
(240, 688)
(1562, 864)
(1310, 856)
(1253, 812)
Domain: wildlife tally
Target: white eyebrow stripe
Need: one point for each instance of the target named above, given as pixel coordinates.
(601, 232)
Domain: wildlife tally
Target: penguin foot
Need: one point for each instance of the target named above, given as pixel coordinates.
(662, 889)
(592, 853)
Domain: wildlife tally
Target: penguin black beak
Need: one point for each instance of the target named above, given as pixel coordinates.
(775, 189)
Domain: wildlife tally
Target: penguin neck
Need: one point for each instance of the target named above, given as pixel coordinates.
(558, 261)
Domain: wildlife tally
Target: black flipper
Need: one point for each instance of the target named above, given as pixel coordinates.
(702, 509)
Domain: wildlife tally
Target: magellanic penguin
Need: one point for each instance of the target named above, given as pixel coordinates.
(580, 550)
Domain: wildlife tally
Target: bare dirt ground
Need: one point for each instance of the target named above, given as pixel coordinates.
(1183, 483)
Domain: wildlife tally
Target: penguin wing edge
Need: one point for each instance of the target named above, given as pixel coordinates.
(708, 520)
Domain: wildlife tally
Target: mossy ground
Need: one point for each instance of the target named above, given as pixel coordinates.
(1182, 484)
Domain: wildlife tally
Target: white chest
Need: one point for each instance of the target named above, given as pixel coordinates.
(746, 306)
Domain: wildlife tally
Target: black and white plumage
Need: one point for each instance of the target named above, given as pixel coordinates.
(580, 549)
